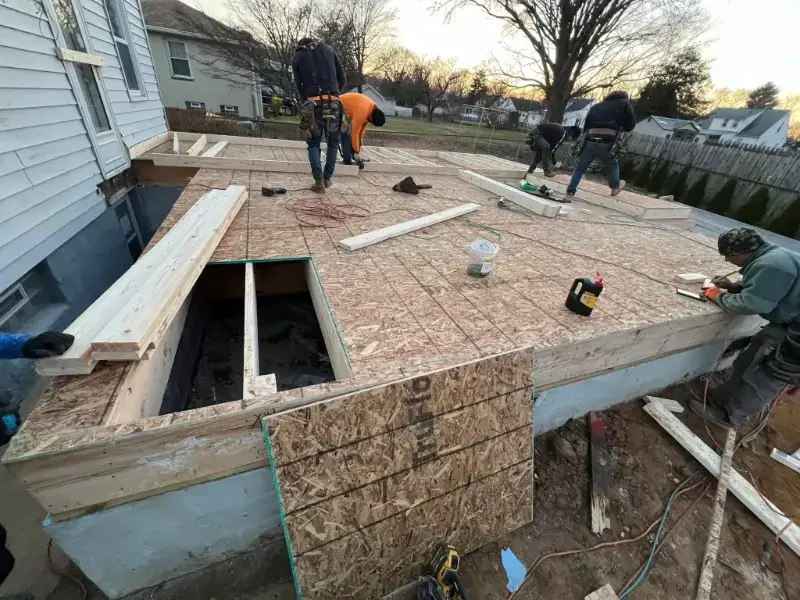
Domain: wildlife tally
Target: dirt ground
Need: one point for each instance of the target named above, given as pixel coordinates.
(646, 466)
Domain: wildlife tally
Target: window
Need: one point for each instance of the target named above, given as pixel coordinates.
(196, 105)
(735, 123)
(123, 46)
(227, 109)
(27, 299)
(179, 60)
(725, 122)
(87, 78)
(130, 228)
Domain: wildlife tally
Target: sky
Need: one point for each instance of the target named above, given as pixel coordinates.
(751, 40)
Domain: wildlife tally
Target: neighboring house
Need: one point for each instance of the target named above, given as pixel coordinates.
(577, 110)
(387, 105)
(679, 129)
(185, 81)
(753, 126)
(77, 92)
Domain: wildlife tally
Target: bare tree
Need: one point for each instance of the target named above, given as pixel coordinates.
(370, 24)
(578, 47)
(438, 80)
(257, 41)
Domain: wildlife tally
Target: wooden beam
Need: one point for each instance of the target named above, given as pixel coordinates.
(151, 309)
(715, 528)
(670, 405)
(81, 57)
(243, 164)
(147, 145)
(604, 593)
(601, 474)
(250, 331)
(327, 323)
(379, 235)
(477, 162)
(78, 359)
(176, 146)
(408, 169)
(198, 146)
(766, 511)
(215, 149)
(788, 460)
(539, 206)
(141, 391)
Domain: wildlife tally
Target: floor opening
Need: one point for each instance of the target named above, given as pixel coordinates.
(209, 363)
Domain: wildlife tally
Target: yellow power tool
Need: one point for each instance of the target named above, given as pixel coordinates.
(444, 584)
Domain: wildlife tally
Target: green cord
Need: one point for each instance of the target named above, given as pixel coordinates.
(484, 228)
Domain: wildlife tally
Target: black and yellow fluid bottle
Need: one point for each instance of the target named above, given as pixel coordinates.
(583, 294)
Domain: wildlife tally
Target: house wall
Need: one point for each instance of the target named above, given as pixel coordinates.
(48, 171)
(576, 117)
(203, 87)
(138, 116)
(82, 267)
(649, 127)
(775, 136)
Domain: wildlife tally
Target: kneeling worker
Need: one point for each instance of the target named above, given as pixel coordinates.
(770, 287)
(361, 111)
(544, 140)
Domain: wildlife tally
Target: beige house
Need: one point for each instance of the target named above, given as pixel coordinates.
(178, 56)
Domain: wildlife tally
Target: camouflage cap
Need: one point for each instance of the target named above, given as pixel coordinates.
(739, 241)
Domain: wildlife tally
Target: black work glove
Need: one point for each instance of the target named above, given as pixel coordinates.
(47, 344)
(10, 420)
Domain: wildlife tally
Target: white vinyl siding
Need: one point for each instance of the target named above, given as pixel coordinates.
(138, 116)
(48, 170)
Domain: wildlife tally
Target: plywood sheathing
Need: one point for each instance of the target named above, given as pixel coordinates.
(417, 452)
(403, 307)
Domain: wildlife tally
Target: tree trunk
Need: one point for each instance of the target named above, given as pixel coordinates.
(557, 100)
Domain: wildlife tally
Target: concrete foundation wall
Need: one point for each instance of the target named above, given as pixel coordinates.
(82, 268)
(151, 205)
(140, 544)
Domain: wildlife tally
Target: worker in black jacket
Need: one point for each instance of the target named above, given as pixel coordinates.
(544, 140)
(603, 125)
(319, 77)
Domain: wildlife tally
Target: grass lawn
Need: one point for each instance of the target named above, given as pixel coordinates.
(423, 127)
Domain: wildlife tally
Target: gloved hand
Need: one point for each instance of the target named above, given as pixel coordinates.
(713, 293)
(10, 420)
(47, 344)
(726, 284)
(358, 159)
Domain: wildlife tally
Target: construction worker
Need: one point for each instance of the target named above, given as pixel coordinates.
(361, 111)
(603, 125)
(544, 140)
(319, 77)
(44, 345)
(770, 287)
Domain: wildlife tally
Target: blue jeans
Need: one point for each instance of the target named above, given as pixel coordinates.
(592, 150)
(315, 155)
(346, 141)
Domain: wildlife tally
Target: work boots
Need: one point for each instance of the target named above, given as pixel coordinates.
(319, 186)
(328, 183)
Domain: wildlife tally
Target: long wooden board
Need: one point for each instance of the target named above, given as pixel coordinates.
(379, 235)
(330, 330)
(198, 146)
(151, 309)
(241, 164)
(539, 206)
(365, 464)
(250, 332)
(768, 513)
(78, 360)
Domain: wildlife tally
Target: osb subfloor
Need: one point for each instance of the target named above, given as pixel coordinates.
(408, 301)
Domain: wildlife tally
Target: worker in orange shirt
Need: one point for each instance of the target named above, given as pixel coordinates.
(361, 111)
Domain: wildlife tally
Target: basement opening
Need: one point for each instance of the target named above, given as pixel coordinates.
(216, 359)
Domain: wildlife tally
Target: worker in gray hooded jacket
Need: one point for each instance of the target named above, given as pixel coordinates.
(770, 287)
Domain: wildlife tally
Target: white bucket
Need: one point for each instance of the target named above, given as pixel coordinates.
(482, 254)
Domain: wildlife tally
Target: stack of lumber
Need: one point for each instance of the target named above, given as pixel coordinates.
(133, 315)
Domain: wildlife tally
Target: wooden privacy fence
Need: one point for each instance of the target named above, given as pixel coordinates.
(745, 170)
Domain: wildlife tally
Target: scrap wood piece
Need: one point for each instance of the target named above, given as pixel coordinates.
(601, 477)
(215, 149)
(176, 145)
(766, 511)
(604, 593)
(198, 146)
(147, 313)
(715, 528)
(379, 235)
(537, 205)
(78, 360)
(670, 405)
(789, 460)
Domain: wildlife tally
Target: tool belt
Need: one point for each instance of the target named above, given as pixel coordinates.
(784, 363)
(320, 116)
